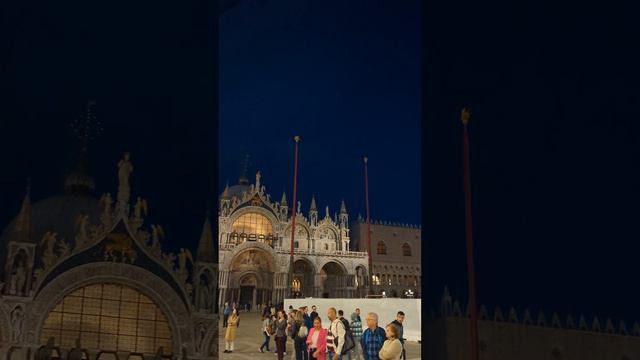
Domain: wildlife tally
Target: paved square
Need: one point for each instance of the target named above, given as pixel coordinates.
(249, 338)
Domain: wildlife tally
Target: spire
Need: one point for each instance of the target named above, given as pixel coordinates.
(85, 128)
(205, 247)
(23, 222)
(225, 194)
(283, 201)
(313, 206)
(343, 208)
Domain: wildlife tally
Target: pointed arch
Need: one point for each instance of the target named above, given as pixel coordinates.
(406, 249)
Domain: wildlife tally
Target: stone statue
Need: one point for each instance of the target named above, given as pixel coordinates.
(76, 353)
(169, 260)
(202, 332)
(21, 278)
(327, 213)
(182, 260)
(49, 256)
(106, 203)
(17, 316)
(141, 205)
(299, 207)
(82, 237)
(258, 176)
(158, 233)
(125, 168)
(64, 249)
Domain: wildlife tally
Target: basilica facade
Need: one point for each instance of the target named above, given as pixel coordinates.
(87, 278)
(254, 236)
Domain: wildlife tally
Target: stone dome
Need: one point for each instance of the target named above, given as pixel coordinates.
(56, 214)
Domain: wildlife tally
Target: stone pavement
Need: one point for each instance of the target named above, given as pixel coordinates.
(249, 337)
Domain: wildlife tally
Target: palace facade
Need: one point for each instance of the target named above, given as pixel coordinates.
(87, 278)
(255, 247)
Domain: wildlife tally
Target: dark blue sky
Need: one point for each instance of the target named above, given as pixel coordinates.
(345, 76)
(554, 135)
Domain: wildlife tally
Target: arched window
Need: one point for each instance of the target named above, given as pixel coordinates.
(382, 248)
(406, 249)
(295, 286)
(108, 317)
(252, 224)
(295, 244)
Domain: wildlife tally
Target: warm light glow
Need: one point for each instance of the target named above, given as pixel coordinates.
(252, 224)
(108, 317)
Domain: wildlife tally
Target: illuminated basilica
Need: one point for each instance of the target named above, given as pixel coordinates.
(254, 250)
(87, 278)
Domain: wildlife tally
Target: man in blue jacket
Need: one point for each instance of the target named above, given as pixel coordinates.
(373, 338)
(226, 312)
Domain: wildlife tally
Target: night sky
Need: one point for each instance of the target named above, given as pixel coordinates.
(554, 135)
(151, 70)
(345, 76)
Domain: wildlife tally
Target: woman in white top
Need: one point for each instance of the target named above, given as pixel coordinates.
(392, 348)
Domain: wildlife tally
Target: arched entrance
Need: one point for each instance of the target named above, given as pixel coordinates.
(248, 289)
(332, 280)
(250, 278)
(303, 278)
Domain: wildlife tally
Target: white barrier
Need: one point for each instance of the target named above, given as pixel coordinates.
(386, 308)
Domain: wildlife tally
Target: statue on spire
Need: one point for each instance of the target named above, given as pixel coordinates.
(125, 168)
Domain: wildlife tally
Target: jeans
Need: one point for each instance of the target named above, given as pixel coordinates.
(331, 354)
(265, 344)
(300, 347)
(280, 347)
(224, 320)
(356, 352)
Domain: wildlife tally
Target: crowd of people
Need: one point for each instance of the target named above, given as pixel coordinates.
(340, 338)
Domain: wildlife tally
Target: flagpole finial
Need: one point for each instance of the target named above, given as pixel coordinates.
(296, 138)
(465, 115)
(366, 159)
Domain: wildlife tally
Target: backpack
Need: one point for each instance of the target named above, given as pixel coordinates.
(303, 332)
(349, 343)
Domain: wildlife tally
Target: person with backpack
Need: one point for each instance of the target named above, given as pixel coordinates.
(299, 334)
(345, 322)
(339, 339)
(373, 338)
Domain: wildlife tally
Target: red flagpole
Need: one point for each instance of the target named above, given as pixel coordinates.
(293, 216)
(469, 239)
(366, 198)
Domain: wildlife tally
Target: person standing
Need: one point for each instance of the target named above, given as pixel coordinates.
(317, 340)
(225, 312)
(230, 336)
(280, 334)
(308, 321)
(314, 313)
(299, 336)
(397, 324)
(372, 338)
(267, 327)
(335, 338)
(392, 348)
(356, 330)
